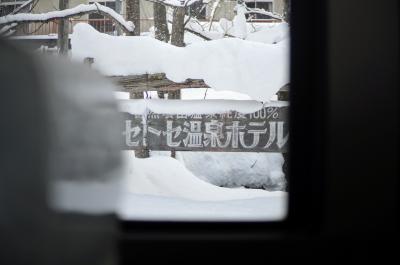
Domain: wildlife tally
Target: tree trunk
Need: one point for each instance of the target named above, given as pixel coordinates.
(178, 27)
(160, 22)
(177, 39)
(133, 14)
(161, 31)
(63, 30)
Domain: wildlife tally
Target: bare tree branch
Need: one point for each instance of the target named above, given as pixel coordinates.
(213, 11)
(175, 3)
(263, 12)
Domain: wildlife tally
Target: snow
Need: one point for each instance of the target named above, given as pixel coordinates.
(186, 188)
(211, 106)
(147, 207)
(67, 12)
(273, 33)
(161, 188)
(256, 170)
(253, 170)
(239, 22)
(270, 33)
(197, 27)
(7, 28)
(209, 93)
(199, 186)
(264, 12)
(256, 69)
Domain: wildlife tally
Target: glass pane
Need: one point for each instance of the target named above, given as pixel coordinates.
(202, 91)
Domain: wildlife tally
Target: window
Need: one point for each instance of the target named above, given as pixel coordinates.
(197, 10)
(8, 6)
(267, 6)
(101, 23)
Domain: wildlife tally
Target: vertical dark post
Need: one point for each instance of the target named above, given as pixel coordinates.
(161, 94)
(174, 94)
(133, 14)
(283, 95)
(63, 30)
(177, 39)
(143, 152)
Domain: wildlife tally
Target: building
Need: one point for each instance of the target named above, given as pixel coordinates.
(203, 10)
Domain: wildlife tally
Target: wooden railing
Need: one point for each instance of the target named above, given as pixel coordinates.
(51, 27)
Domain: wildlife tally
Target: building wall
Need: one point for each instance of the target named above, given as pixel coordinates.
(278, 6)
(52, 5)
(146, 16)
(146, 10)
(225, 9)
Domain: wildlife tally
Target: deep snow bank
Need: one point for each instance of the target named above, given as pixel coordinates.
(161, 188)
(270, 33)
(166, 176)
(252, 170)
(256, 69)
(141, 106)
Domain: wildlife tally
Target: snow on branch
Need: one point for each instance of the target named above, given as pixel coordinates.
(66, 13)
(192, 26)
(175, 3)
(262, 12)
(5, 29)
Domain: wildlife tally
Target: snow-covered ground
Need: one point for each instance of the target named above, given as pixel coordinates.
(203, 185)
(162, 188)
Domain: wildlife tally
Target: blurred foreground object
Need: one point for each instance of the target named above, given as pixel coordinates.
(60, 162)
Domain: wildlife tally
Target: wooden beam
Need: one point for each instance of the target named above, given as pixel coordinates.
(153, 82)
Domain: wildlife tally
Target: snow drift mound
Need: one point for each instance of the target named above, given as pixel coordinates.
(166, 176)
(252, 170)
(256, 69)
(272, 34)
